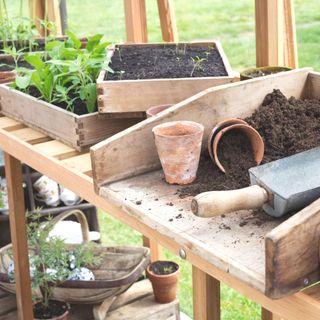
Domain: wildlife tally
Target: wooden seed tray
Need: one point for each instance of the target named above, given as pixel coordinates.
(131, 98)
(276, 257)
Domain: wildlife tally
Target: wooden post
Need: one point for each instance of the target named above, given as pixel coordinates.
(275, 33)
(136, 20)
(267, 315)
(37, 10)
(19, 237)
(167, 21)
(206, 296)
(155, 249)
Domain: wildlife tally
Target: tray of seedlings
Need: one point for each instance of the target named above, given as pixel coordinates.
(246, 201)
(143, 75)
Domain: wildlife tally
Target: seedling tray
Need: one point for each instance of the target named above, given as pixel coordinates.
(128, 98)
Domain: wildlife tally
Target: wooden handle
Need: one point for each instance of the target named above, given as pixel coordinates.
(213, 203)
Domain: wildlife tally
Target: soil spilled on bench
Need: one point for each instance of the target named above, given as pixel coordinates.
(287, 126)
(168, 61)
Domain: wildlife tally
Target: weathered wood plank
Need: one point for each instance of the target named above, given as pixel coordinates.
(56, 149)
(10, 124)
(293, 243)
(81, 163)
(31, 136)
(207, 107)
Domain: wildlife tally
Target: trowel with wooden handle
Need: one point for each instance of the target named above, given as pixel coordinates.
(278, 187)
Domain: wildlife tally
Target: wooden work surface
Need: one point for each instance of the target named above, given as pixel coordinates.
(212, 249)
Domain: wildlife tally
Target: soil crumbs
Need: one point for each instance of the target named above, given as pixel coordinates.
(169, 61)
(287, 126)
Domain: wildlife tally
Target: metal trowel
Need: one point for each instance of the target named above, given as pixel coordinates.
(279, 187)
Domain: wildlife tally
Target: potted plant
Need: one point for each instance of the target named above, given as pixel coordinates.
(58, 96)
(159, 73)
(52, 263)
(164, 277)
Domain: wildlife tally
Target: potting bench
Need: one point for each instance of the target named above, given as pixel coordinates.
(73, 170)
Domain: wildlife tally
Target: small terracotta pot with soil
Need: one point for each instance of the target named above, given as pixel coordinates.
(164, 277)
(179, 146)
(154, 110)
(57, 310)
(252, 73)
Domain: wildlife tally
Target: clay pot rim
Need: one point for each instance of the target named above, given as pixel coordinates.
(194, 124)
(260, 146)
(163, 275)
(246, 73)
(152, 108)
(220, 126)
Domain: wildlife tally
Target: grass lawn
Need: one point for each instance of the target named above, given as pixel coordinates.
(231, 22)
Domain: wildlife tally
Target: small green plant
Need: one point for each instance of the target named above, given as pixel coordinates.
(66, 74)
(15, 54)
(50, 257)
(196, 63)
(168, 269)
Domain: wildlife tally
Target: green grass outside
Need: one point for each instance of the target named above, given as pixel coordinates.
(231, 22)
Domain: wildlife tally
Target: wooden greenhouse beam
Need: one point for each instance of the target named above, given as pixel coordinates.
(136, 20)
(19, 236)
(267, 315)
(38, 8)
(167, 21)
(275, 33)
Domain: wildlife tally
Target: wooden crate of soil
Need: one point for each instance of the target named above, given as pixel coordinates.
(77, 131)
(169, 74)
(276, 256)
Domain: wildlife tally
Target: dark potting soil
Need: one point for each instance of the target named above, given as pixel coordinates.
(163, 267)
(287, 126)
(55, 309)
(9, 65)
(169, 61)
(79, 106)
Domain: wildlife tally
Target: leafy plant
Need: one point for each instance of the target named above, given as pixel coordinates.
(50, 259)
(66, 73)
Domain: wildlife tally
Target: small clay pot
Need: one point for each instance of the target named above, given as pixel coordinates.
(63, 316)
(152, 111)
(219, 126)
(260, 72)
(164, 286)
(256, 141)
(179, 146)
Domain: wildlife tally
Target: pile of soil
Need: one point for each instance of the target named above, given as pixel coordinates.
(9, 65)
(55, 309)
(169, 61)
(287, 126)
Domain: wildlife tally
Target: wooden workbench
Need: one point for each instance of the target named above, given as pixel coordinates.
(73, 170)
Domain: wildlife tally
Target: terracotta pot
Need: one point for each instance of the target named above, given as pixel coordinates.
(7, 76)
(152, 111)
(260, 72)
(219, 126)
(179, 146)
(256, 141)
(64, 316)
(164, 286)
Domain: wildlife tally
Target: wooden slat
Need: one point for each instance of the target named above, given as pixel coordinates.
(31, 136)
(167, 21)
(206, 296)
(208, 107)
(136, 20)
(81, 163)
(54, 14)
(293, 243)
(18, 236)
(36, 10)
(56, 149)
(10, 124)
